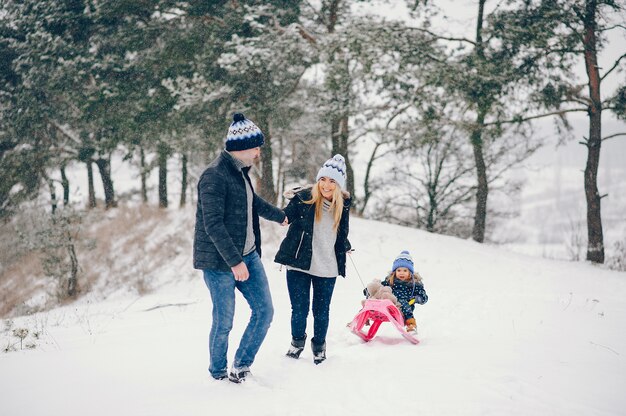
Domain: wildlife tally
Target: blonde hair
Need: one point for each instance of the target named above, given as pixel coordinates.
(416, 276)
(336, 204)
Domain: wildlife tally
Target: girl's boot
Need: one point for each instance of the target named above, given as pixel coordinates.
(296, 347)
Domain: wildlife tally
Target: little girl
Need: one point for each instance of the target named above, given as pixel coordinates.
(406, 287)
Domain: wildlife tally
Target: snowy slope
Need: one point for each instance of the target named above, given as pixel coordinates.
(502, 334)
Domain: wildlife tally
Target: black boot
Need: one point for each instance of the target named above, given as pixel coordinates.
(319, 352)
(238, 375)
(296, 347)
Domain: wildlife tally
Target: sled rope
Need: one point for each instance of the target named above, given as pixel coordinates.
(359, 274)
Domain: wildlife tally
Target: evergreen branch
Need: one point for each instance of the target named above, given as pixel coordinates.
(307, 36)
(208, 19)
(613, 67)
(523, 119)
(564, 50)
(301, 30)
(313, 9)
(579, 13)
(440, 37)
(65, 133)
(7, 145)
(606, 29)
(573, 29)
(580, 100)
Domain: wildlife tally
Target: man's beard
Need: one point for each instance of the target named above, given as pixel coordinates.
(248, 162)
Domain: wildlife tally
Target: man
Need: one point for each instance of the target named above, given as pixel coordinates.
(227, 247)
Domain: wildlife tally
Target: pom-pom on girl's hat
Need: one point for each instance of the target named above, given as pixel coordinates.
(334, 168)
(243, 134)
(404, 259)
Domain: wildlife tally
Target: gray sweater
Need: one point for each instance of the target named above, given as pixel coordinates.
(323, 258)
(249, 246)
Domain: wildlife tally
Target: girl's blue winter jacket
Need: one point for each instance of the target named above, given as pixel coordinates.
(405, 291)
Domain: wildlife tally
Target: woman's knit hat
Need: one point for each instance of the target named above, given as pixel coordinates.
(404, 259)
(334, 168)
(243, 134)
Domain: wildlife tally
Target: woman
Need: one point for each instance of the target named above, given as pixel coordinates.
(314, 251)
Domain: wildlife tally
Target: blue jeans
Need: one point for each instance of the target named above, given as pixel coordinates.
(299, 287)
(256, 291)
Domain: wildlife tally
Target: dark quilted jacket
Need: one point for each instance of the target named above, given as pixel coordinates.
(296, 249)
(221, 216)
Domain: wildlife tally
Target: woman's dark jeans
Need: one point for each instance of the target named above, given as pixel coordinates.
(299, 286)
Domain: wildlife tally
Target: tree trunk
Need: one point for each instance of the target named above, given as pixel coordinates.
(281, 190)
(339, 123)
(432, 210)
(183, 185)
(163, 153)
(53, 196)
(266, 189)
(90, 186)
(66, 187)
(482, 187)
(367, 191)
(340, 134)
(280, 174)
(595, 239)
(104, 167)
(72, 281)
(144, 175)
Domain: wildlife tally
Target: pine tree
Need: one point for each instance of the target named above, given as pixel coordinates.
(564, 33)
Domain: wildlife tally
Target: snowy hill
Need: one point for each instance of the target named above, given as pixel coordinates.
(502, 334)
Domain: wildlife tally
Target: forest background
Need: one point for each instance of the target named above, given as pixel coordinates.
(437, 106)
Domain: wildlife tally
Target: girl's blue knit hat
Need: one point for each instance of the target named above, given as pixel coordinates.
(404, 259)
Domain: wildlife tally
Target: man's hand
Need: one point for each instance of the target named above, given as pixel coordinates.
(286, 222)
(241, 272)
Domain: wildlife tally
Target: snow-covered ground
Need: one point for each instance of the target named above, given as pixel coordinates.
(502, 334)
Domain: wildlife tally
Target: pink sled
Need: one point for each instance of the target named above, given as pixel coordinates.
(379, 311)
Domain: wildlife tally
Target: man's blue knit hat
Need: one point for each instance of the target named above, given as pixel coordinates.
(243, 134)
(404, 259)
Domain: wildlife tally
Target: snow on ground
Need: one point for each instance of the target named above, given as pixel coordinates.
(502, 334)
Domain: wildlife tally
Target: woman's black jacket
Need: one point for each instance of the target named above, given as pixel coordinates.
(297, 247)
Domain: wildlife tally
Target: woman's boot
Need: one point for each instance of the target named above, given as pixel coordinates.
(319, 351)
(296, 347)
